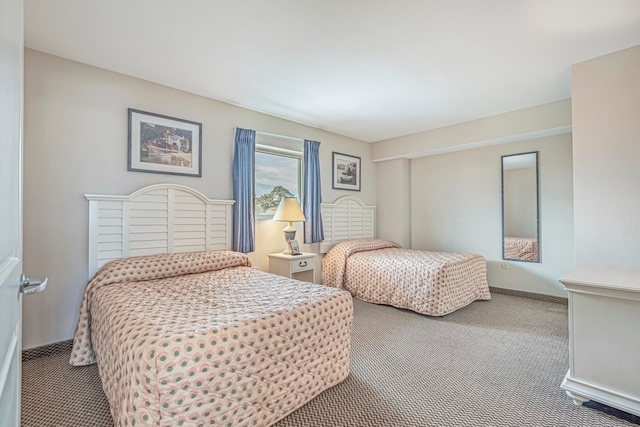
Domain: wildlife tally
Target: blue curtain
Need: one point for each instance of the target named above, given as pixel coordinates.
(313, 230)
(243, 192)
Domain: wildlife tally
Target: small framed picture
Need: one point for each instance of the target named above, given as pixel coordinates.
(162, 144)
(295, 248)
(346, 172)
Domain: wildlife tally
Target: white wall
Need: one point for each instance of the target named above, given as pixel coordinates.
(456, 207)
(606, 147)
(76, 143)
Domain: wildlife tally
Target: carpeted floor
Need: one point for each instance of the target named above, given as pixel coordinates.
(494, 363)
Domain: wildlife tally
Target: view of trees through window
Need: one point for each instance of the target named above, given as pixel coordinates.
(277, 176)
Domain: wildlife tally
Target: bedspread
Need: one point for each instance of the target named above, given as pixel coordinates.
(202, 339)
(432, 283)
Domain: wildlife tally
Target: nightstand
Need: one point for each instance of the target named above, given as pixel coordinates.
(299, 267)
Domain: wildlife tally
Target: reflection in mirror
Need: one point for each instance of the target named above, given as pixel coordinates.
(520, 225)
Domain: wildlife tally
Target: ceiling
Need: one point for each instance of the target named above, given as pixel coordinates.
(369, 69)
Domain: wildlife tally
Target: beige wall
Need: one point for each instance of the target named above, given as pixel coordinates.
(455, 190)
(393, 209)
(535, 122)
(76, 143)
(456, 207)
(520, 202)
(606, 147)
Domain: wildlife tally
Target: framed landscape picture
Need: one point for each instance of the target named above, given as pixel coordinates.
(346, 172)
(162, 144)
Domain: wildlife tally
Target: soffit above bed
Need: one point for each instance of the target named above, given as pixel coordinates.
(372, 70)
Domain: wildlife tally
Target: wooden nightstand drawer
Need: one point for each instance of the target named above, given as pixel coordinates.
(299, 267)
(302, 264)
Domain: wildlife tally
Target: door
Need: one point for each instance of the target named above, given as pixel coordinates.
(11, 56)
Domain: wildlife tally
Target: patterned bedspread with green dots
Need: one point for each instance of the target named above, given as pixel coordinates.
(431, 283)
(217, 343)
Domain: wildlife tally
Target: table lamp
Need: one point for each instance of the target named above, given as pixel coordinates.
(289, 211)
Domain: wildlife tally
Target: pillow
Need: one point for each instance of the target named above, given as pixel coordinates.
(335, 261)
(135, 269)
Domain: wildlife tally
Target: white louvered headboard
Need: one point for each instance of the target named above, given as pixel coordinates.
(347, 218)
(157, 219)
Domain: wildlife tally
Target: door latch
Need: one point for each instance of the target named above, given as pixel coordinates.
(32, 286)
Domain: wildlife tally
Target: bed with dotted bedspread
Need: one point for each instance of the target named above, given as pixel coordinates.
(203, 339)
(432, 283)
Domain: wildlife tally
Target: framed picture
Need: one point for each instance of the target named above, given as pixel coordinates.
(346, 172)
(295, 248)
(162, 144)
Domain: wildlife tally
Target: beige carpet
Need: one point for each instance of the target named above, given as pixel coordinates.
(494, 363)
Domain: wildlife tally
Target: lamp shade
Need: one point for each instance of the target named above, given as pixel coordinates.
(289, 210)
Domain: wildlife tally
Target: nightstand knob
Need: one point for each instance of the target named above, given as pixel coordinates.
(300, 264)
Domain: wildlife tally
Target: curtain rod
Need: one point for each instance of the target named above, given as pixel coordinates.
(276, 135)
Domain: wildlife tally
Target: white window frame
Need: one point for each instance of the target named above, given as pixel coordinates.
(277, 151)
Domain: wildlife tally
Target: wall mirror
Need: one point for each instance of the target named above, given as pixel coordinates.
(520, 221)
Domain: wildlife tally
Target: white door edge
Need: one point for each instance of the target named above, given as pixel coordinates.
(6, 267)
(8, 359)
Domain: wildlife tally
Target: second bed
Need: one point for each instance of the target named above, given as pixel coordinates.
(431, 283)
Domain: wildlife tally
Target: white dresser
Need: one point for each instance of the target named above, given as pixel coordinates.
(604, 336)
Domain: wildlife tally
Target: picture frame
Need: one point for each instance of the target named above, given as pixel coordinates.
(163, 144)
(295, 248)
(346, 173)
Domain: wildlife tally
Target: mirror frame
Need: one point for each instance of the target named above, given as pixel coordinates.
(538, 260)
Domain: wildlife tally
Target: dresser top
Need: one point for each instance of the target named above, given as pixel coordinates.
(613, 277)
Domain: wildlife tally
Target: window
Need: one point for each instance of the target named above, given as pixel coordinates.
(278, 175)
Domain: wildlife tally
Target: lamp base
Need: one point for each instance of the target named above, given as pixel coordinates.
(289, 234)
